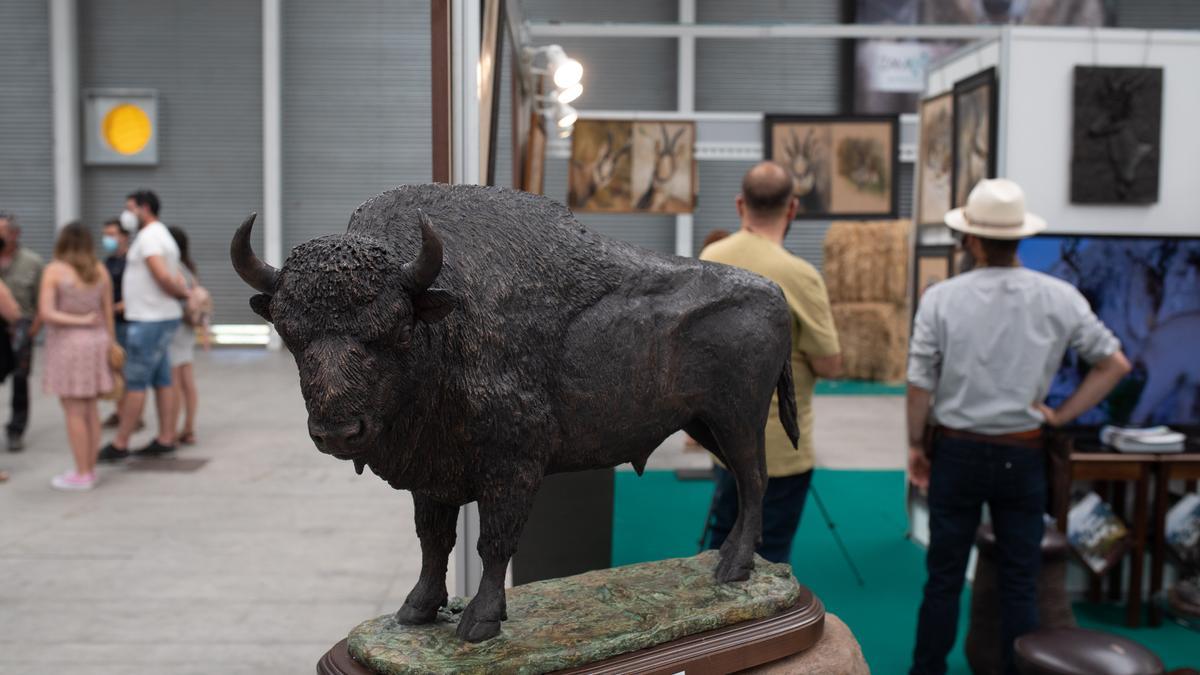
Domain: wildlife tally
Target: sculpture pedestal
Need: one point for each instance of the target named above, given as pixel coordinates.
(715, 652)
(660, 617)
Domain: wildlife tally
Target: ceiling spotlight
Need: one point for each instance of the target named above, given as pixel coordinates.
(565, 115)
(569, 94)
(568, 74)
(565, 71)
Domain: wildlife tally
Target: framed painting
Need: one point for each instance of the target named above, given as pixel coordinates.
(601, 164)
(934, 159)
(491, 58)
(1116, 135)
(841, 166)
(626, 166)
(664, 167)
(931, 264)
(974, 140)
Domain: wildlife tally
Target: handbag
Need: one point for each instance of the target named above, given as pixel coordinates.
(116, 363)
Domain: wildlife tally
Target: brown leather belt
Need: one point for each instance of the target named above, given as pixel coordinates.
(1031, 439)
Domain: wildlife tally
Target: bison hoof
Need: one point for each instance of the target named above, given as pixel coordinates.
(477, 631)
(410, 615)
(734, 567)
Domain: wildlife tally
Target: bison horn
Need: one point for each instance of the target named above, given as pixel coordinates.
(250, 268)
(428, 264)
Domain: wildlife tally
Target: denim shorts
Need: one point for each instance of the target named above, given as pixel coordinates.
(147, 358)
(122, 329)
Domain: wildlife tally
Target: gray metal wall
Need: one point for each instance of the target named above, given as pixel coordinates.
(26, 140)
(356, 112)
(795, 76)
(1164, 14)
(205, 61)
(356, 107)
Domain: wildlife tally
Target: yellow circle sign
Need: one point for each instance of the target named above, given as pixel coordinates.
(126, 128)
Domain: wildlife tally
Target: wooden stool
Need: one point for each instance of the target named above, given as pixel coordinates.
(1077, 651)
(983, 648)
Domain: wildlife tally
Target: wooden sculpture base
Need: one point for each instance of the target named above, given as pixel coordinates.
(715, 652)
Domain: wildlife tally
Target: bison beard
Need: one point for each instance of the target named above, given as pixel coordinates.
(543, 348)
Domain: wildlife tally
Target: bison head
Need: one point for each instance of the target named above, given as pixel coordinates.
(346, 307)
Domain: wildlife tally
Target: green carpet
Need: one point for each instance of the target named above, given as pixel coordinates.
(857, 388)
(657, 516)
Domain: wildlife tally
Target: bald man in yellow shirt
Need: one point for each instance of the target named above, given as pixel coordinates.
(767, 207)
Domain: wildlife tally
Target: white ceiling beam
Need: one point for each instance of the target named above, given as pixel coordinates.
(742, 31)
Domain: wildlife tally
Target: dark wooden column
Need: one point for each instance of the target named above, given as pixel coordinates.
(441, 106)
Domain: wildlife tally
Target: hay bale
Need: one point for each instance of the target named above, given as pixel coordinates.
(874, 339)
(867, 261)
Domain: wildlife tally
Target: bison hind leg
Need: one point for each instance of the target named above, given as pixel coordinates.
(744, 458)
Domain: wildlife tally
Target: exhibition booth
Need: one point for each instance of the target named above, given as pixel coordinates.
(1095, 123)
(562, 336)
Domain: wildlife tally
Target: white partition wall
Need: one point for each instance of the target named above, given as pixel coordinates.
(1039, 125)
(1035, 68)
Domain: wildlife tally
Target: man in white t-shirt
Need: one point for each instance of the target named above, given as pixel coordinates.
(153, 288)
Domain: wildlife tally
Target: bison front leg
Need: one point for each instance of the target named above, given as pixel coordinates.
(502, 515)
(436, 523)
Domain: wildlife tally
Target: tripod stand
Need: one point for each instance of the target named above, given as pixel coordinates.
(703, 544)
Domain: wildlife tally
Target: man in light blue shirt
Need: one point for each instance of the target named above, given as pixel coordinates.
(985, 346)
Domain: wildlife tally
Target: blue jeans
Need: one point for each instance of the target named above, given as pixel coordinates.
(1012, 482)
(783, 505)
(147, 360)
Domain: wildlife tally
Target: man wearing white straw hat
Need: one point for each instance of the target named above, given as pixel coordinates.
(985, 346)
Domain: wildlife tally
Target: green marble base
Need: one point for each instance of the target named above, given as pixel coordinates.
(565, 623)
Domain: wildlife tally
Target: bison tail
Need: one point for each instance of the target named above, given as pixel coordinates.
(786, 391)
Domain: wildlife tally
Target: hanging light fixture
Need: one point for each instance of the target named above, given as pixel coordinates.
(567, 74)
(565, 115)
(564, 70)
(569, 94)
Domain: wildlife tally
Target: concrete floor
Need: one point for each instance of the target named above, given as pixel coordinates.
(259, 560)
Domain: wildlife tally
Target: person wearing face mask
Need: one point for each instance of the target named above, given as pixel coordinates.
(128, 219)
(151, 288)
(21, 270)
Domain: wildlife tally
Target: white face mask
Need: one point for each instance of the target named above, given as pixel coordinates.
(129, 221)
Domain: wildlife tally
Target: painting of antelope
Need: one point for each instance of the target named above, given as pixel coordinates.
(803, 149)
(841, 167)
(664, 167)
(601, 165)
(934, 159)
(621, 165)
(974, 135)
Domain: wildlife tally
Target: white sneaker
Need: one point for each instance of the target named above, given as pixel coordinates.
(69, 480)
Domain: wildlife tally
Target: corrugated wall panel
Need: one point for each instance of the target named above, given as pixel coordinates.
(205, 61)
(503, 129)
(611, 10)
(26, 140)
(618, 73)
(1166, 14)
(625, 73)
(356, 112)
(904, 183)
(770, 75)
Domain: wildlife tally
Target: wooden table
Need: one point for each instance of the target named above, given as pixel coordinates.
(1119, 468)
(1183, 466)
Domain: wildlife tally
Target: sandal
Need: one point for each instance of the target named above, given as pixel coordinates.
(187, 438)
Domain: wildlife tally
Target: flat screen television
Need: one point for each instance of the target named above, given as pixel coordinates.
(1147, 291)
